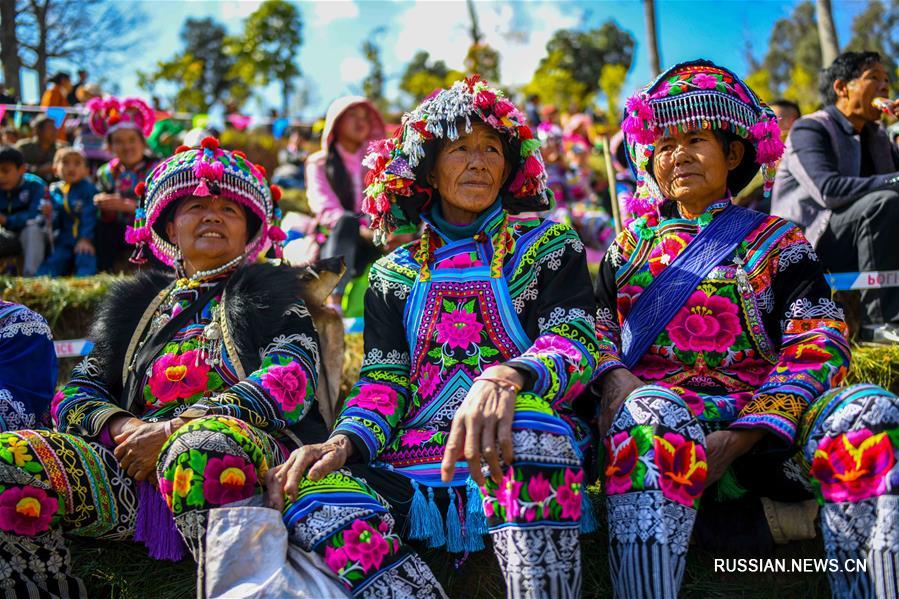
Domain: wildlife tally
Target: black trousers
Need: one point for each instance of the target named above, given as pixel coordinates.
(864, 236)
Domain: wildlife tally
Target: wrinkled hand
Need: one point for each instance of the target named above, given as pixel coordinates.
(723, 447)
(482, 426)
(320, 459)
(84, 246)
(138, 449)
(616, 385)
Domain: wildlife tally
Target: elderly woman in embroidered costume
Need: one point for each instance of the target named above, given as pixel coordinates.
(477, 339)
(125, 124)
(197, 384)
(722, 350)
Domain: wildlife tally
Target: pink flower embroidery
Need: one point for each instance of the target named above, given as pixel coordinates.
(569, 494)
(665, 252)
(627, 296)
(555, 344)
(507, 494)
(463, 260)
(26, 510)
(622, 452)
(459, 329)
(416, 437)
(428, 380)
(335, 558)
(664, 87)
(705, 81)
(654, 367)
(706, 323)
(539, 488)
(365, 545)
(287, 385)
(853, 466)
(752, 370)
(228, 479)
(372, 396)
(176, 377)
(682, 467)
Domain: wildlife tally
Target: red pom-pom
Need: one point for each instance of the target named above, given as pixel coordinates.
(262, 170)
(239, 154)
(114, 119)
(276, 193)
(139, 189)
(209, 143)
(180, 149)
(524, 132)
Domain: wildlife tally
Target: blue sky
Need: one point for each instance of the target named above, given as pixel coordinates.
(332, 63)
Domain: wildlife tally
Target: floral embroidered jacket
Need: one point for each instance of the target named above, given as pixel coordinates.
(753, 346)
(401, 410)
(274, 396)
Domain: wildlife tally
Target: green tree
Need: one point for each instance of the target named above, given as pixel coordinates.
(483, 60)
(202, 72)
(877, 29)
(267, 51)
(611, 82)
(570, 73)
(422, 76)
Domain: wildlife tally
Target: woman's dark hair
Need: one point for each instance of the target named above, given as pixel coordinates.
(11, 155)
(59, 77)
(846, 67)
(339, 178)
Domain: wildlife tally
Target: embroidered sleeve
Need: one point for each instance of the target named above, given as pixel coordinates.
(608, 326)
(378, 401)
(282, 390)
(85, 405)
(563, 357)
(814, 352)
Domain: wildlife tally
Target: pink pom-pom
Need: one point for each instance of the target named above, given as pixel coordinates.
(769, 147)
(135, 236)
(638, 106)
(503, 108)
(276, 234)
(637, 130)
(637, 205)
(485, 99)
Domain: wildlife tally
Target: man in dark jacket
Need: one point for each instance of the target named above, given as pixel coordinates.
(839, 180)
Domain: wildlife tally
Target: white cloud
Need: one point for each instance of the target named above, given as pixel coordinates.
(353, 70)
(323, 12)
(518, 30)
(238, 9)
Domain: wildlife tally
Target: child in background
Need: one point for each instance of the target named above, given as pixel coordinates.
(21, 223)
(74, 218)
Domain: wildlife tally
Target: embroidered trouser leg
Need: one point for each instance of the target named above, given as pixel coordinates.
(655, 475)
(52, 483)
(534, 514)
(353, 518)
(210, 462)
(851, 441)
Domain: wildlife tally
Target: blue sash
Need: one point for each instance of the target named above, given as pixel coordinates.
(668, 292)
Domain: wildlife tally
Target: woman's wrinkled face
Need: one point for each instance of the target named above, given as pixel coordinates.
(469, 172)
(354, 125)
(128, 145)
(209, 231)
(692, 166)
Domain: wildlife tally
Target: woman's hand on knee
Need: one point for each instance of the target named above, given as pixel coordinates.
(482, 427)
(615, 386)
(319, 460)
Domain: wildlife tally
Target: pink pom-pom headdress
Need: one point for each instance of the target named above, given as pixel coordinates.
(700, 95)
(207, 170)
(108, 115)
(394, 197)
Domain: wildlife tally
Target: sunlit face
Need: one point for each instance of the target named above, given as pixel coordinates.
(785, 118)
(128, 145)
(209, 231)
(10, 175)
(692, 166)
(854, 96)
(469, 172)
(354, 125)
(71, 168)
